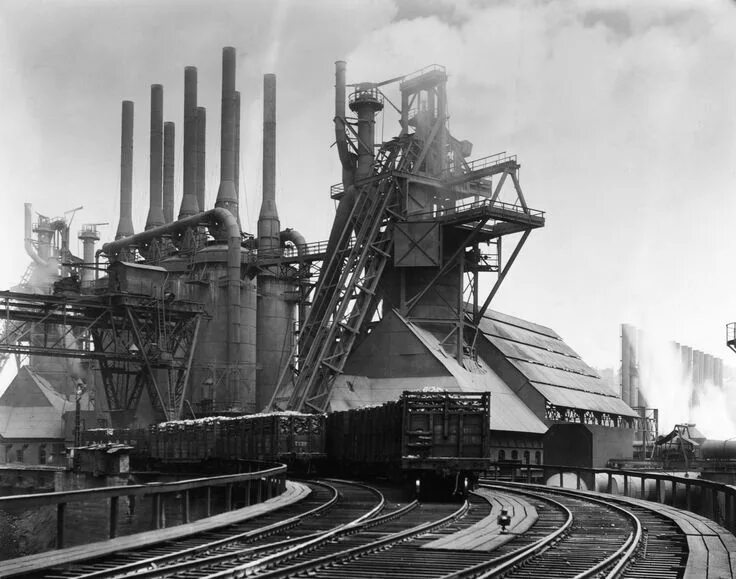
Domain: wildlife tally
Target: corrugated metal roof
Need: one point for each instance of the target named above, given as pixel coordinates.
(519, 323)
(583, 400)
(551, 366)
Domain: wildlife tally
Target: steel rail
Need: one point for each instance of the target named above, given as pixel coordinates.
(354, 552)
(277, 547)
(166, 563)
(620, 558)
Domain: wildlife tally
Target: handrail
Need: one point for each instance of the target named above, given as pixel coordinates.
(723, 514)
(271, 479)
(55, 498)
(480, 204)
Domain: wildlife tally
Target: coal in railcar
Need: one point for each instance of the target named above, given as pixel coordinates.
(436, 441)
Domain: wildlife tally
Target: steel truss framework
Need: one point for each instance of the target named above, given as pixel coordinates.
(345, 301)
(139, 342)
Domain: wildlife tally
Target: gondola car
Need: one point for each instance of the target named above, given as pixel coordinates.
(436, 441)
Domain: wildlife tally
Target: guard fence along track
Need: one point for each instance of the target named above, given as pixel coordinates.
(336, 503)
(607, 538)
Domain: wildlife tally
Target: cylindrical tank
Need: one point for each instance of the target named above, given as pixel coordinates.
(718, 449)
(211, 389)
(276, 306)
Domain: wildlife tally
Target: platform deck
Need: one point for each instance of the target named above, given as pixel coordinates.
(31, 563)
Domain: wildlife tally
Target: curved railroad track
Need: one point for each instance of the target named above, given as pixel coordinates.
(575, 535)
(330, 504)
(605, 538)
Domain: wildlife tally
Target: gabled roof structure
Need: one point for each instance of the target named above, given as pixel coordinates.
(31, 409)
(555, 371)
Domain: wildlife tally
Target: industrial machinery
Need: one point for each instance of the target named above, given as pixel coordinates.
(416, 225)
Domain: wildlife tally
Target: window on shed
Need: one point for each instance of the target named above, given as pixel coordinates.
(19, 455)
(8, 451)
(514, 455)
(501, 454)
(526, 457)
(537, 457)
(42, 454)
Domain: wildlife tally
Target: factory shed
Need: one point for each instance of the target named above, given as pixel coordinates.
(32, 420)
(560, 388)
(400, 355)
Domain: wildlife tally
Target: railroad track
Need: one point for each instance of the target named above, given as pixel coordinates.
(574, 536)
(604, 538)
(330, 504)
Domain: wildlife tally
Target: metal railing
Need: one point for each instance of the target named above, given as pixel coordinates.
(477, 205)
(264, 483)
(731, 333)
(713, 500)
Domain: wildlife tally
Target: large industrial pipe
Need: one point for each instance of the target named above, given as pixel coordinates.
(155, 209)
(125, 225)
(268, 219)
(168, 187)
(201, 155)
(218, 219)
(347, 160)
(226, 195)
(189, 205)
(28, 241)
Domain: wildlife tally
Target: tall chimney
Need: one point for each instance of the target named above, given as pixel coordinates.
(155, 209)
(201, 155)
(168, 189)
(226, 195)
(189, 205)
(125, 225)
(236, 160)
(268, 219)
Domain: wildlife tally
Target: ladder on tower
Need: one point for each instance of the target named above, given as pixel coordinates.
(345, 300)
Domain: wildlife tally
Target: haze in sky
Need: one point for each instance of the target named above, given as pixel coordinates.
(622, 114)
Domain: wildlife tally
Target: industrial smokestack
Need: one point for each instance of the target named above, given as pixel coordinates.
(201, 154)
(236, 160)
(226, 195)
(125, 225)
(268, 219)
(189, 205)
(168, 189)
(155, 210)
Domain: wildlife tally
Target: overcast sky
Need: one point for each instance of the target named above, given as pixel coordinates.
(622, 114)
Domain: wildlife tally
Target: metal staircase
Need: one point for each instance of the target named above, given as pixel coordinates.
(345, 300)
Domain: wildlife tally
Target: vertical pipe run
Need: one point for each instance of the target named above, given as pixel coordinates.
(125, 225)
(189, 205)
(226, 195)
(201, 155)
(168, 180)
(155, 206)
(236, 160)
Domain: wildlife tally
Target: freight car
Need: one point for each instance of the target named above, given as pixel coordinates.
(436, 441)
(289, 437)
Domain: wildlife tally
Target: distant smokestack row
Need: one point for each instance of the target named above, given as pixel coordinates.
(189, 204)
(155, 208)
(268, 219)
(162, 154)
(226, 195)
(125, 225)
(168, 188)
